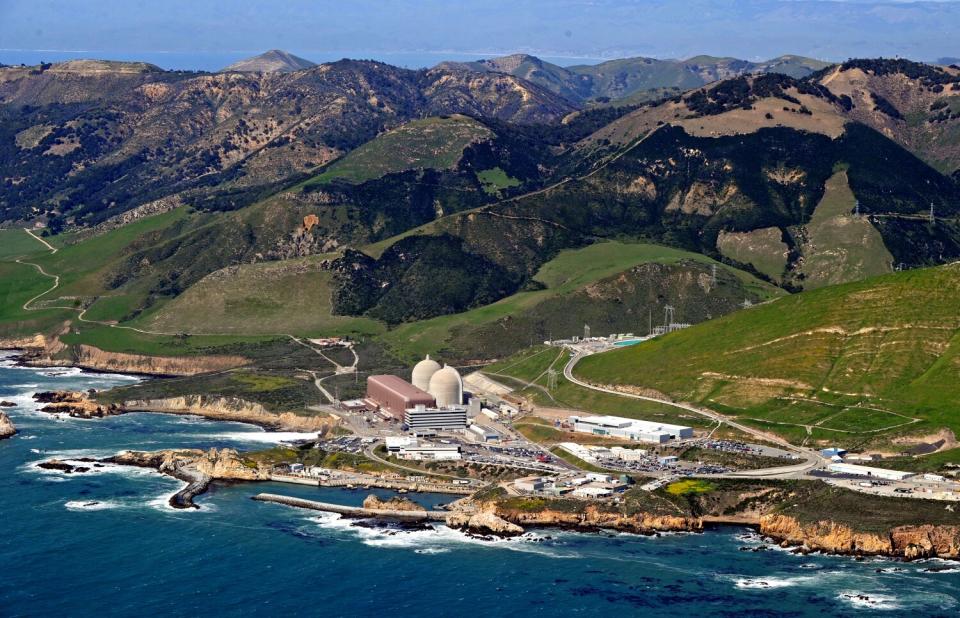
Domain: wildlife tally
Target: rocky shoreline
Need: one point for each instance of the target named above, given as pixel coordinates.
(197, 468)
(84, 405)
(7, 428)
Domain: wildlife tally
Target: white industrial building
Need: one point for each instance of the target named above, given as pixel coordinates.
(879, 473)
(483, 434)
(628, 454)
(530, 483)
(423, 420)
(430, 452)
(592, 491)
(630, 429)
(395, 443)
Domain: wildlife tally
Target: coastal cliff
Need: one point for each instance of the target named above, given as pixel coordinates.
(90, 357)
(234, 409)
(910, 541)
(83, 405)
(197, 468)
(593, 517)
(7, 429)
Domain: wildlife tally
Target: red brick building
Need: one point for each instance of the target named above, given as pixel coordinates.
(395, 394)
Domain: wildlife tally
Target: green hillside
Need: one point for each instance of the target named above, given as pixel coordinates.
(431, 143)
(856, 363)
(614, 286)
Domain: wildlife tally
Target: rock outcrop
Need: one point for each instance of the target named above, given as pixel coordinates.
(910, 542)
(75, 404)
(234, 409)
(195, 467)
(483, 523)
(89, 357)
(396, 503)
(592, 517)
(7, 429)
(7, 404)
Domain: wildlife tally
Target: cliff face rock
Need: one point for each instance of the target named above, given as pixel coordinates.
(397, 503)
(37, 342)
(95, 358)
(6, 426)
(924, 541)
(483, 523)
(234, 409)
(593, 517)
(75, 404)
(219, 464)
(195, 467)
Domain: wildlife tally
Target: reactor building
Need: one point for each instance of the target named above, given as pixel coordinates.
(433, 393)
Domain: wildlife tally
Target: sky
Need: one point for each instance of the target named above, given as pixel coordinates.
(207, 34)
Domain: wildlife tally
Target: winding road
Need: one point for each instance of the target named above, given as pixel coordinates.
(812, 459)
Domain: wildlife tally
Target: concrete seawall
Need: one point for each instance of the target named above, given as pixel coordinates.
(417, 486)
(352, 511)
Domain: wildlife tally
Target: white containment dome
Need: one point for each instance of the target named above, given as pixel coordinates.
(446, 387)
(423, 371)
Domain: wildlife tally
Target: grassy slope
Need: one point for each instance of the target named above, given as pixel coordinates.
(841, 247)
(844, 363)
(292, 296)
(566, 273)
(431, 143)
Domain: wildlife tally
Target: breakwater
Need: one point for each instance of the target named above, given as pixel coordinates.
(352, 511)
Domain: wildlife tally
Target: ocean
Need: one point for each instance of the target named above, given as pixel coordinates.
(106, 543)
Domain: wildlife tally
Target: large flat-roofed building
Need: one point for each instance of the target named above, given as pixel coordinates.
(430, 452)
(422, 419)
(630, 429)
(880, 473)
(395, 394)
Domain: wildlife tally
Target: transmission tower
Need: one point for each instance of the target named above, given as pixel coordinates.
(586, 331)
(747, 303)
(668, 315)
(713, 274)
(551, 379)
(933, 219)
(856, 208)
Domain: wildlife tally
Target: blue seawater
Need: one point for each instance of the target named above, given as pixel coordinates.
(106, 544)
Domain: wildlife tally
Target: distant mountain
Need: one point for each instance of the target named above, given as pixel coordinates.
(96, 139)
(273, 61)
(946, 60)
(630, 77)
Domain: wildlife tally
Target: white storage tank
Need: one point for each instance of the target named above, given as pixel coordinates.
(446, 386)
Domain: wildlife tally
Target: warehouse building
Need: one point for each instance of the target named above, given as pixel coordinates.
(879, 473)
(423, 419)
(430, 452)
(395, 395)
(630, 429)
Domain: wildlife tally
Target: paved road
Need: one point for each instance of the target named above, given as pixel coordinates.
(812, 459)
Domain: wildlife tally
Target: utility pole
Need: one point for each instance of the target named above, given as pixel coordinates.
(713, 275)
(856, 208)
(933, 219)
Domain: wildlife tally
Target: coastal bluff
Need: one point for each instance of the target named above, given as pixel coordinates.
(7, 429)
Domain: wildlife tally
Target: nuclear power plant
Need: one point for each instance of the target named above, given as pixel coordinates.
(434, 396)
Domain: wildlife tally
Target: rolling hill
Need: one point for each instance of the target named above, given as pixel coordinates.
(634, 78)
(97, 139)
(273, 61)
(854, 364)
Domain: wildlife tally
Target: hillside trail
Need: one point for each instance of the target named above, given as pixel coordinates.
(81, 316)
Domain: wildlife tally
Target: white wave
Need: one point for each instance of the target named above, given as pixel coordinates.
(91, 505)
(862, 600)
(61, 373)
(434, 539)
(270, 437)
(27, 386)
(767, 583)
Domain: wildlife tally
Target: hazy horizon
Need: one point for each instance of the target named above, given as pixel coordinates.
(189, 35)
